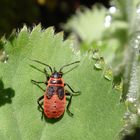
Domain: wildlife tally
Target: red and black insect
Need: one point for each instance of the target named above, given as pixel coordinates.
(55, 93)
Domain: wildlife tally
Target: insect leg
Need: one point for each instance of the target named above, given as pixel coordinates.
(37, 84)
(45, 71)
(37, 69)
(38, 101)
(47, 75)
(69, 103)
(72, 89)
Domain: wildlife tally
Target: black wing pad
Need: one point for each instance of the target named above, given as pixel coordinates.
(51, 90)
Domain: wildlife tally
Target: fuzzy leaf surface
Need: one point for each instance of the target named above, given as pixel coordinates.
(97, 111)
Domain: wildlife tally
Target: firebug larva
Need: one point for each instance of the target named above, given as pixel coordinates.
(55, 93)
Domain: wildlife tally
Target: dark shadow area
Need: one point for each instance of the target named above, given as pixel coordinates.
(49, 13)
(135, 136)
(6, 94)
(52, 120)
(61, 10)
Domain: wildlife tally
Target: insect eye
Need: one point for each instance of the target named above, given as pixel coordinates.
(50, 92)
(60, 74)
(61, 93)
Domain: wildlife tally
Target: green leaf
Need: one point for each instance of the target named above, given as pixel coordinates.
(89, 24)
(101, 29)
(97, 111)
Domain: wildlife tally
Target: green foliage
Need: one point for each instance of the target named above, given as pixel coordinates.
(106, 62)
(101, 29)
(97, 111)
(88, 24)
(133, 81)
(119, 44)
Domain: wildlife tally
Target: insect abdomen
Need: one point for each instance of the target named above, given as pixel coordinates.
(54, 107)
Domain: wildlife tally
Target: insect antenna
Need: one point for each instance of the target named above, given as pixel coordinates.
(70, 70)
(68, 65)
(43, 64)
